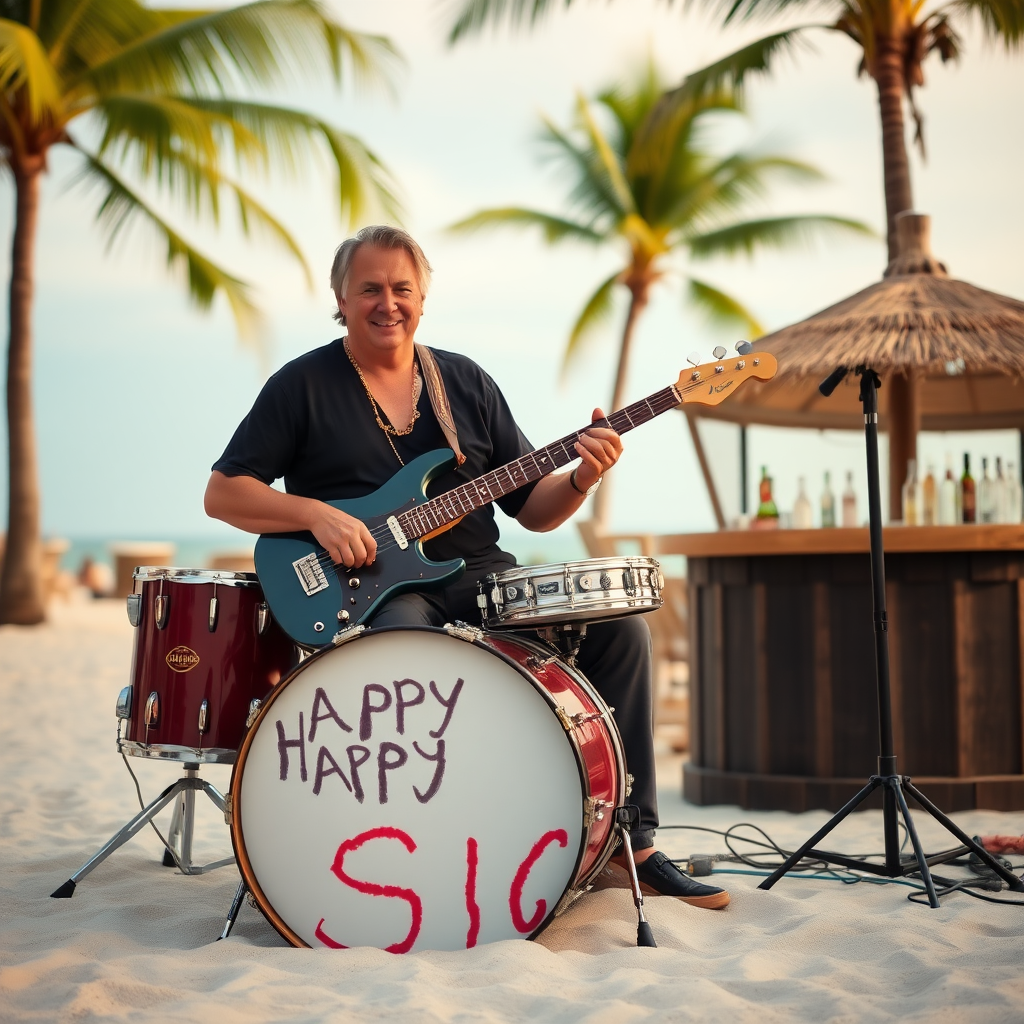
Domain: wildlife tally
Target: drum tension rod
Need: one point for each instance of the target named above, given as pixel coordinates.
(628, 817)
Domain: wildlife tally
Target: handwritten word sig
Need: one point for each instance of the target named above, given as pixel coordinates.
(515, 898)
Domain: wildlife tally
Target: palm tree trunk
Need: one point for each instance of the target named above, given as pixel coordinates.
(895, 165)
(637, 303)
(21, 592)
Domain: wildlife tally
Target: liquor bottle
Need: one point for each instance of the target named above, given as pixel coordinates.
(985, 503)
(910, 494)
(767, 512)
(828, 504)
(947, 496)
(849, 502)
(968, 503)
(802, 517)
(929, 498)
(1000, 495)
(1014, 494)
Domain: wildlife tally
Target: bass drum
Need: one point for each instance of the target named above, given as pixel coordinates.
(425, 789)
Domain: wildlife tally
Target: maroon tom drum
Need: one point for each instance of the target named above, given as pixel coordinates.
(206, 655)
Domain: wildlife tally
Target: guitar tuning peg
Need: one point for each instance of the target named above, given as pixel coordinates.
(718, 352)
(693, 358)
(743, 347)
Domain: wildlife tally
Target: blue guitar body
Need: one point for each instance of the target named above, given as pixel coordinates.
(346, 597)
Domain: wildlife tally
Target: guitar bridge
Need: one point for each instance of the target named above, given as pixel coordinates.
(311, 574)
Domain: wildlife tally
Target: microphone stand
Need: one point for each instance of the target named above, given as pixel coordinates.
(893, 785)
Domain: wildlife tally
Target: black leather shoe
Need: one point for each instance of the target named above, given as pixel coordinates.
(660, 877)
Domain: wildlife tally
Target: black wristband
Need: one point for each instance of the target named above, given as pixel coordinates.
(576, 486)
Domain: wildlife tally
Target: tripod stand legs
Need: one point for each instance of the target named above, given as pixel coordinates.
(182, 823)
(1015, 883)
(894, 866)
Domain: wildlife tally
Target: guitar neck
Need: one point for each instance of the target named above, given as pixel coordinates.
(434, 515)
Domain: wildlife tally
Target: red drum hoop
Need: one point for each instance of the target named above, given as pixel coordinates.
(417, 788)
(206, 655)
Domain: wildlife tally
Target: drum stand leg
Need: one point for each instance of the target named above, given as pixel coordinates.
(180, 839)
(625, 817)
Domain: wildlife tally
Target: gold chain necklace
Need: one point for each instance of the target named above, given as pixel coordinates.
(387, 428)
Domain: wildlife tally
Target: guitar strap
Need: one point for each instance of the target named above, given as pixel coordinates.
(439, 399)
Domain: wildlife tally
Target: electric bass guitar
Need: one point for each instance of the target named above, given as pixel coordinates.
(313, 598)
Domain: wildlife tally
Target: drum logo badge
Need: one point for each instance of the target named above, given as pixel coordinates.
(182, 659)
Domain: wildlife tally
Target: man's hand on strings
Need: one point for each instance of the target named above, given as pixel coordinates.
(599, 448)
(346, 539)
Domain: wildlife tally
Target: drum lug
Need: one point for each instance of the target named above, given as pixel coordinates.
(593, 810)
(254, 709)
(124, 703)
(344, 635)
(152, 712)
(163, 606)
(570, 722)
(535, 662)
(262, 617)
(629, 783)
(204, 717)
(463, 631)
(134, 609)
(228, 817)
(214, 609)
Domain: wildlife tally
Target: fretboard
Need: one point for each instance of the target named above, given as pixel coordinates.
(439, 512)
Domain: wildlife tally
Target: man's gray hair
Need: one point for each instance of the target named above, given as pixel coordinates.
(379, 236)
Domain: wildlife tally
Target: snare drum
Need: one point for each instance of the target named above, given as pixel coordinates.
(425, 789)
(206, 654)
(528, 596)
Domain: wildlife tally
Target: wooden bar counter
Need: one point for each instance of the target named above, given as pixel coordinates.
(782, 666)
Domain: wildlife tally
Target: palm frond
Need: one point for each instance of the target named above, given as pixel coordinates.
(1001, 20)
(721, 309)
(608, 163)
(554, 229)
(286, 138)
(772, 232)
(728, 184)
(121, 205)
(596, 311)
(25, 68)
(747, 10)
(727, 74)
(265, 44)
(475, 14)
(159, 127)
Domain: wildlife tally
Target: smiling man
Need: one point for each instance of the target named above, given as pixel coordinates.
(341, 420)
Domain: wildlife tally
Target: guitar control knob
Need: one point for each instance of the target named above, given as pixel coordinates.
(343, 616)
(354, 582)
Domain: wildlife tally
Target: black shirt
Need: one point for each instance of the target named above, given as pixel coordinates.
(313, 425)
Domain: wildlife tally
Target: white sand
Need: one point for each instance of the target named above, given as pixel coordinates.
(136, 941)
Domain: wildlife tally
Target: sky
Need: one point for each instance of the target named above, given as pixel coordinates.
(136, 392)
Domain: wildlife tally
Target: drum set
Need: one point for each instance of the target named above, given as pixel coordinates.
(404, 788)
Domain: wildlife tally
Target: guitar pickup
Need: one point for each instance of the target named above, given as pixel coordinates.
(398, 533)
(311, 574)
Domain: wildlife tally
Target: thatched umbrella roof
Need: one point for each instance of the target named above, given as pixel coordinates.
(966, 345)
(951, 356)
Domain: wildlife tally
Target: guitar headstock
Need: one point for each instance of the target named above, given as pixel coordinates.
(712, 383)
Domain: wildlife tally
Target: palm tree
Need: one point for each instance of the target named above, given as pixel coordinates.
(653, 191)
(894, 38)
(154, 88)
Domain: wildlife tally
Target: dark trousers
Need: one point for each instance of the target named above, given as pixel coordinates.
(615, 656)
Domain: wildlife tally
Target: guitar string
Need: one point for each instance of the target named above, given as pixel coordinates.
(428, 507)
